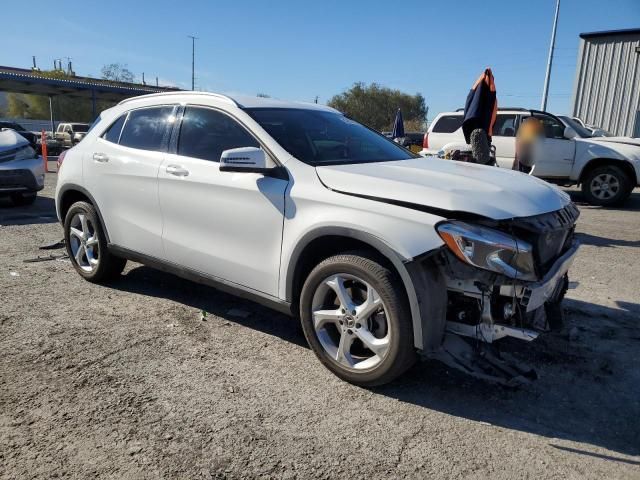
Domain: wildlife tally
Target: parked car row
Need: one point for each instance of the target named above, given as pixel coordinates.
(607, 168)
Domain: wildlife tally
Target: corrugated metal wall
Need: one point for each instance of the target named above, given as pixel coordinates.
(607, 85)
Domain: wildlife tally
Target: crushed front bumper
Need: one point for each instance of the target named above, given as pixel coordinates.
(537, 294)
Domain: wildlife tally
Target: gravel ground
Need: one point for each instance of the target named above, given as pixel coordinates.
(126, 381)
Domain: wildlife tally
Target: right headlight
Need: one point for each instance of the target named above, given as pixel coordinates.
(489, 249)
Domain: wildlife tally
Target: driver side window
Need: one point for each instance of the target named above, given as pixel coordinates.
(206, 133)
(553, 128)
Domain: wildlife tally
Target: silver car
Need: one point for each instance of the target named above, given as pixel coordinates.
(21, 170)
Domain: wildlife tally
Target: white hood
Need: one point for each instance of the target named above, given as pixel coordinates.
(10, 140)
(624, 140)
(492, 192)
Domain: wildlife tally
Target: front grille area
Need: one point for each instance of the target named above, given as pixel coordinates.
(17, 179)
(551, 234)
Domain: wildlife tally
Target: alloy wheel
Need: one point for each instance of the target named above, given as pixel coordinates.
(350, 321)
(605, 186)
(84, 243)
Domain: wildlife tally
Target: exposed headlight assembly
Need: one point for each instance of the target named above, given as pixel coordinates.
(489, 249)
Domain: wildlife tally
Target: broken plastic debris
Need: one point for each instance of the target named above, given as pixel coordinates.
(14, 274)
(53, 246)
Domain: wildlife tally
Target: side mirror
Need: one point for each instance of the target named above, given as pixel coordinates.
(244, 159)
(570, 133)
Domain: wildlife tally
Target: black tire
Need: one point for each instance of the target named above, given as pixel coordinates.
(480, 148)
(589, 186)
(23, 199)
(108, 265)
(400, 354)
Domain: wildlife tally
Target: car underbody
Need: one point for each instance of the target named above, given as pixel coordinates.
(482, 306)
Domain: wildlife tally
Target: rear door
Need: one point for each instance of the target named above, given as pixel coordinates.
(504, 139)
(554, 154)
(226, 225)
(446, 129)
(121, 171)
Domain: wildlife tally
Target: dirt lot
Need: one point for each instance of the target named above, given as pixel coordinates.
(126, 381)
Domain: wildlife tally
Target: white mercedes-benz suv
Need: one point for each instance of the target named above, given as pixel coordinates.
(383, 255)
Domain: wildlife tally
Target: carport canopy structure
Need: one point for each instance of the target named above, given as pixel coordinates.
(20, 80)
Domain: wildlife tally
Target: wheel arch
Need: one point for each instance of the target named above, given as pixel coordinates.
(70, 194)
(321, 243)
(624, 165)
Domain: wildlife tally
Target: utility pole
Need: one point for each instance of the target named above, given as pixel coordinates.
(545, 91)
(193, 61)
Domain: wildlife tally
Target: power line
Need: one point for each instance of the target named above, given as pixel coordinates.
(193, 61)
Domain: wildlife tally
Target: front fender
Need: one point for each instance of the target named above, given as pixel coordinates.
(587, 152)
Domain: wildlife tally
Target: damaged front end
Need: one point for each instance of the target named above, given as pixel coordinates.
(502, 279)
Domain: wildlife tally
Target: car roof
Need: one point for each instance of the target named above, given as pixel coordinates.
(240, 101)
(514, 111)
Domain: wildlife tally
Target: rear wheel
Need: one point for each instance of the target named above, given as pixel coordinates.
(606, 186)
(87, 245)
(356, 319)
(22, 199)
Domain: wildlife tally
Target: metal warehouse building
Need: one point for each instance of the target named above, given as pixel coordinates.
(607, 86)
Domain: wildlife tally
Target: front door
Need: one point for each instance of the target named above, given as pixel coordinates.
(553, 154)
(226, 225)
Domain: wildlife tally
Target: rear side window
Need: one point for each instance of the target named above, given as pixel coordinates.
(206, 133)
(145, 128)
(447, 124)
(113, 133)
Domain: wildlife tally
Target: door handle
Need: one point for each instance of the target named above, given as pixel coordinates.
(100, 157)
(177, 170)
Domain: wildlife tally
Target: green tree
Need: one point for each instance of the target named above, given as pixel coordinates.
(117, 72)
(376, 106)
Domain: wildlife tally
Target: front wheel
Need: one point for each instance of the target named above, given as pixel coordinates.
(87, 245)
(606, 186)
(356, 319)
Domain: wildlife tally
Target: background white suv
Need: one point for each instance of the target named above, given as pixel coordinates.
(380, 253)
(607, 168)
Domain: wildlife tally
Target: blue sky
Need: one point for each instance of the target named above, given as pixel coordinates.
(296, 50)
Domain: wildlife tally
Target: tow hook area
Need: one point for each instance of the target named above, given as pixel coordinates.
(483, 361)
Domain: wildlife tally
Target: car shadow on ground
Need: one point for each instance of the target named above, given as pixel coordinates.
(155, 283)
(556, 407)
(587, 239)
(585, 394)
(632, 203)
(43, 210)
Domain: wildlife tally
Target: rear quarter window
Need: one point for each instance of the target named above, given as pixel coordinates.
(113, 132)
(447, 124)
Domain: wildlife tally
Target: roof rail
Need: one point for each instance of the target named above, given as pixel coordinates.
(517, 109)
(225, 98)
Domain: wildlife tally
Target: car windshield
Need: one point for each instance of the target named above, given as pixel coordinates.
(12, 126)
(80, 127)
(570, 122)
(326, 138)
